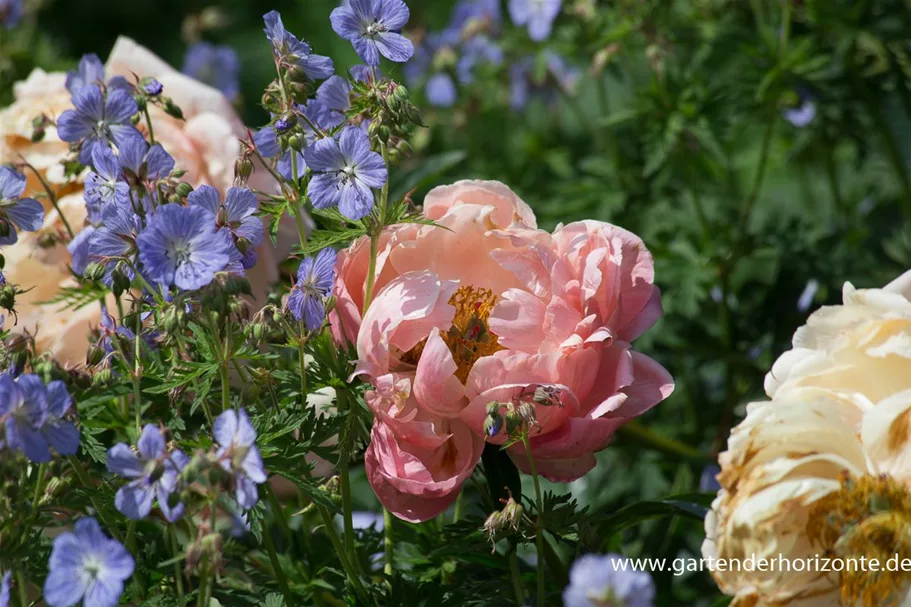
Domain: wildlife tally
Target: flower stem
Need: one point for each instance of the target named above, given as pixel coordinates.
(53, 198)
(457, 512)
(516, 576)
(39, 487)
(23, 591)
(344, 462)
(759, 177)
(277, 567)
(388, 542)
(302, 359)
(355, 579)
(375, 235)
(656, 441)
(149, 122)
(137, 371)
(178, 575)
(539, 527)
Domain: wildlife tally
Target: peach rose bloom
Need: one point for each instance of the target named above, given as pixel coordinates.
(804, 472)
(490, 309)
(205, 144)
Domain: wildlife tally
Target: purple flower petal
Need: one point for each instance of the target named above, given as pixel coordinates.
(134, 500)
(151, 443)
(206, 197)
(12, 183)
(123, 462)
(27, 214)
(395, 47)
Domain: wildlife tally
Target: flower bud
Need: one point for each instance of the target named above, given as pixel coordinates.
(120, 280)
(135, 118)
(102, 376)
(243, 168)
(512, 514)
(526, 411)
(151, 87)
(8, 297)
(171, 109)
(285, 122)
(183, 189)
(38, 134)
(493, 424)
(94, 271)
(94, 355)
(297, 142)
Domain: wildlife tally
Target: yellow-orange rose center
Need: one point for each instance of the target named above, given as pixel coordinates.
(469, 338)
(869, 516)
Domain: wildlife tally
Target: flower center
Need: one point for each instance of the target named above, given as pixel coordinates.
(91, 566)
(607, 598)
(469, 338)
(374, 28)
(101, 129)
(181, 251)
(869, 516)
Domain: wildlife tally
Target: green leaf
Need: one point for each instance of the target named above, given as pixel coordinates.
(693, 505)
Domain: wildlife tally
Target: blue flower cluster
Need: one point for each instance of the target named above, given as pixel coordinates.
(448, 59)
(33, 417)
(215, 65)
(132, 229)
(345, 170)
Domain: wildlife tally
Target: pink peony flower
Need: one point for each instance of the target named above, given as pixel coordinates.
(491, 309)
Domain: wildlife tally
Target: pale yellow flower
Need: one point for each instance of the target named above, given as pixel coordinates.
(823, 469)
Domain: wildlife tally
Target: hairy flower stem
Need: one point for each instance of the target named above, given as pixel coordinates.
(539, 523)
(23, 591)
(276, 565)
(388, 543)
(223, 362)
(516, 577)
(137, 371)
(145, 111)
(52, 196)
(302, 359)
(353, 576)
(375, 236)
(658, 442)
(297, 211)
(178, 574)
(344, 463)
(39, 488)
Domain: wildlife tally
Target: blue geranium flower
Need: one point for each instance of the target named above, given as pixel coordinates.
(88, 566)
(15, 212)
(606, 580)
(116, 240)
(105, 184)
(537, 15)
(373, 28)
(140, 162)
(181, 247)
(238, 454)
(98, 120)
(91, 72)
(4, 589)
(10, 16)
(234, 216)
(33, 415)
(217, 66)
(287, 47)
(154, 472)
(345, 170)
(266, 139)
(315, 278)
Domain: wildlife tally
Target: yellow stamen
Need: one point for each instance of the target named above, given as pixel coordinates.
(870, 517)
(469, 338)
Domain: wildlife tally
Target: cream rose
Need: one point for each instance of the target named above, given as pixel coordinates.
(205, 144)
(824, 468)
(862, 346)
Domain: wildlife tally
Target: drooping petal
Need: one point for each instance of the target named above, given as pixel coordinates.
(134, 500)
(27, 214)
(122, 461)
(151, 443)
